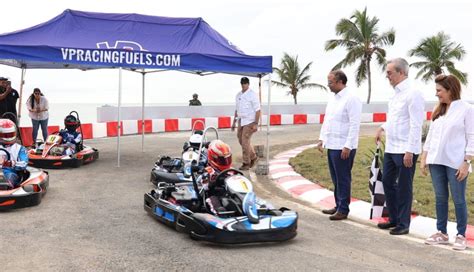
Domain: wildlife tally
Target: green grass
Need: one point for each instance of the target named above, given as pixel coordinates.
(313, 166)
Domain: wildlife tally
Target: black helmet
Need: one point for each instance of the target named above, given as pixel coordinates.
(71, 123)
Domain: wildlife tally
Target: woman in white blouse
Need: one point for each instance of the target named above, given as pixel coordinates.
(38, 107)
(448, 152)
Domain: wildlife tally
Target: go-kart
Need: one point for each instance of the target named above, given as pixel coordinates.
(174, 169)
(243, 218)
(51, 154)
(30, 192)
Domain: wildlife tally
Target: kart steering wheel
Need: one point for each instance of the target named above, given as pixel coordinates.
(6, 152)
(226, 173)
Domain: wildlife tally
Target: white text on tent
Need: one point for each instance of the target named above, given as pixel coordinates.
(120, 57)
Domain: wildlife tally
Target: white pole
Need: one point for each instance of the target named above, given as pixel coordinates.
(268, 119)
(118, 116)
(143, 110)
(22, 83)
(260, 98)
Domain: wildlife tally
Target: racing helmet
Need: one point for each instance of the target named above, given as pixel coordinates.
(195, 140)
(219, 155)
(71, 123)
(7, 132)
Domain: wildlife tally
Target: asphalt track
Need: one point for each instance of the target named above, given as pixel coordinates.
(92, 219)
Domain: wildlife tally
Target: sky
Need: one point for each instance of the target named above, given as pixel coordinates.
(298, 27)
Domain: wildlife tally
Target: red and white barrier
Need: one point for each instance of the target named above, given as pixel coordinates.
(131, 127)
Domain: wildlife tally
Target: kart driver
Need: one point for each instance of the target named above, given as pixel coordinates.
(18, 155)
(219, 159)
(71, 138)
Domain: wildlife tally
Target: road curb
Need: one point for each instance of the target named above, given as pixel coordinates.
(284, 176)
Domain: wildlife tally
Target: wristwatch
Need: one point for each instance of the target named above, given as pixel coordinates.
(468, 161)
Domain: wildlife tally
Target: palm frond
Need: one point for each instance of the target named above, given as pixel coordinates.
(460, 75)
(386, 38)
(419, 64)
(349, 30)
(339, 65)
(331, 44)
(429, 75)
(361, 73)
(458, 53)
(313, 85)
(380, 56)
(279, 84)
(424, 72)
(301, 76)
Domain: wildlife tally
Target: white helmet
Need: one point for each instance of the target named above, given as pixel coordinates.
(195, 140)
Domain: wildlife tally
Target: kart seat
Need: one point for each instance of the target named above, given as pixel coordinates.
(183, 194)
(24, 175)
(167, 177)
(4, 185)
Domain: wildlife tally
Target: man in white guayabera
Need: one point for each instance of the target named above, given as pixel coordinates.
(247, 114)
(402, 146)
(340, 136)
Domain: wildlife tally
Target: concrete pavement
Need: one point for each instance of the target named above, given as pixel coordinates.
(92, 219)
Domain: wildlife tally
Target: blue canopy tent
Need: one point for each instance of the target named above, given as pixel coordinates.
(141, 43)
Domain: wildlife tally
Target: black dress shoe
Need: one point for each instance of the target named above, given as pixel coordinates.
(330, 211)
(399, 231)
(387, 225)
(338, 216)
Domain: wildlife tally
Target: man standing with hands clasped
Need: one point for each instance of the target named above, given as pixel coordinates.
(402, 146)
(247, 114)
(340, 135)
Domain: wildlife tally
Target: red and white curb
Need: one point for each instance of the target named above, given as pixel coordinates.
(287, 179)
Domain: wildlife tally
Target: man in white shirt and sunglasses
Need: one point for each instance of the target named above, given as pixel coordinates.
(402, 147)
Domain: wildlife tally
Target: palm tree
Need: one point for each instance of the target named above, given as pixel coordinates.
(360, 38)
(293, 77)
(438, 51)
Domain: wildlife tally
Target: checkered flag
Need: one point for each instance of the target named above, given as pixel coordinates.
(379, 207)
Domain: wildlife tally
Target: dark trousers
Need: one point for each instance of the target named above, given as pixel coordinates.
(44, 128)
(341, 178)
(398, 186)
